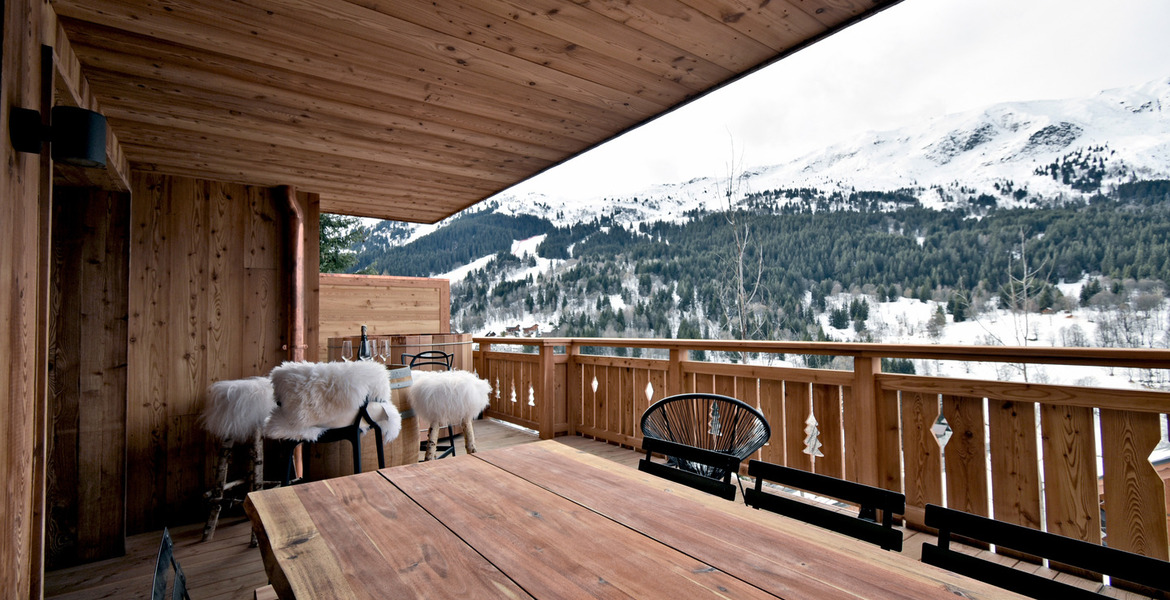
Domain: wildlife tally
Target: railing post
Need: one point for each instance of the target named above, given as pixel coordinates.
(573, 385)
(863, 425)
(674, 374)
(547, 384)
(481, 364)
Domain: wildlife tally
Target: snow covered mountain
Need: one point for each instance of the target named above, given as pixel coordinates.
(1015, 153)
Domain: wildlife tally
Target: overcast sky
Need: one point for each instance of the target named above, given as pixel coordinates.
(916, 60)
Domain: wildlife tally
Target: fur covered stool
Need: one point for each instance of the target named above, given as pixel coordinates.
(236, 412)
(332, 401)
(446, 398)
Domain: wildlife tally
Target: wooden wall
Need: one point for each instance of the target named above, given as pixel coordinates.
(386, 305)
(208, 295)
(22, 320)
(87, 377)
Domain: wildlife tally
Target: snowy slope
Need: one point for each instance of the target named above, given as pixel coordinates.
(943, 160)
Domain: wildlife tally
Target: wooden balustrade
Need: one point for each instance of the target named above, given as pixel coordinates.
(1024, 453)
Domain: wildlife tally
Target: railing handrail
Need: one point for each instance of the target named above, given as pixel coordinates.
(1141, 358)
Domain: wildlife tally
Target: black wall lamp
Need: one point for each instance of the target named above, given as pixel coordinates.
(76, 136)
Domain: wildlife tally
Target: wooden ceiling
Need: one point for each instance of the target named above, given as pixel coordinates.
(406, 109)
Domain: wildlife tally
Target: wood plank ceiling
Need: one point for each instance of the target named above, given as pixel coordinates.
(407, 109)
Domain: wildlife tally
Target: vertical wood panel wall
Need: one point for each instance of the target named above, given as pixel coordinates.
(87, 377)
(386, 305)
(20, 324)
(207, 293)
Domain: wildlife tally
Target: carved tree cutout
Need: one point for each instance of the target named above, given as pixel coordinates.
(531, 396)
(513, 396)
(716, 428)
(812, 441)
(497, 388)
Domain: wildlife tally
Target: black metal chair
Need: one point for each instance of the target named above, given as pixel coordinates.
(430, 357)
(436, 358)
(351, 433)
(705, 437)
(864, 526)
(1118, 564)
(164, 563)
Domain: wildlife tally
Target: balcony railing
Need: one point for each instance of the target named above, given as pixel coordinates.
(1068, 459)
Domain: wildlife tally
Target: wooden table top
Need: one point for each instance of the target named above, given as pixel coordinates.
(543, 520)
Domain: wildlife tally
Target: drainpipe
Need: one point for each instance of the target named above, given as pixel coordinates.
(296, 305)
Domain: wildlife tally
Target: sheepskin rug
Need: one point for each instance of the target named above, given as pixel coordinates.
(448, 397)
(236, 408)
(314, 397)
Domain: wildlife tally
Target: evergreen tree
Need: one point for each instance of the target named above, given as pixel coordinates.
(339, 235)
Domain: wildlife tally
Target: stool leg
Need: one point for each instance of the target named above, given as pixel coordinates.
(381, 451)
(256, 464)
(432, 436)
(468, 436)
(221, 471)
(356, 442)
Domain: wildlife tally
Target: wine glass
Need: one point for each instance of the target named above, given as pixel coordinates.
(346, 350)
(385, 350)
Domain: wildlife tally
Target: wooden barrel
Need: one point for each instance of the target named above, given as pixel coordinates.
(336, 459)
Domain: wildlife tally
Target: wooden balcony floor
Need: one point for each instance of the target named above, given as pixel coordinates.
(225, 568)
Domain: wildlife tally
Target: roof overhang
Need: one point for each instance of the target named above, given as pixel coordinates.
(405, 109)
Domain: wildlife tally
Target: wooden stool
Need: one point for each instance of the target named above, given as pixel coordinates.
(236, 412)
(445, 398)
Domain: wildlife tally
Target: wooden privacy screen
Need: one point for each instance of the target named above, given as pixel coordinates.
(385, 305)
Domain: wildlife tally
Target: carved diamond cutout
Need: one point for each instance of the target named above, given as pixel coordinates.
(594, 384)
(649, 391)
(941, 430)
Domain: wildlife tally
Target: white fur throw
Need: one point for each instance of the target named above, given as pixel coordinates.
(313, 397)
(448, 397)
(237, 407)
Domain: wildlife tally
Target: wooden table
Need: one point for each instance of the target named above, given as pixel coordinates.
(543, 520)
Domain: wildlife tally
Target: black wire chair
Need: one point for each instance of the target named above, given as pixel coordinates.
(705, 437)
(445, 360)
(163, 565)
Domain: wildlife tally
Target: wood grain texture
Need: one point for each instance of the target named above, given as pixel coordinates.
(205, 264)
(965, 455)
(780, 556)
(554, 545)
(827, 409)
(921, 454)
(1015, 468)
(87, 432)
(1072, 506)
(386, 305)
(797, 407)
(1135, 495)
(772, 405)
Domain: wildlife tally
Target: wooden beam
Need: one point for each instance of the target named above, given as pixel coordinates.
(73, 90)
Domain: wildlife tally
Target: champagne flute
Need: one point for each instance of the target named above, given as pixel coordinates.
(346, 350)
(385, 352)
